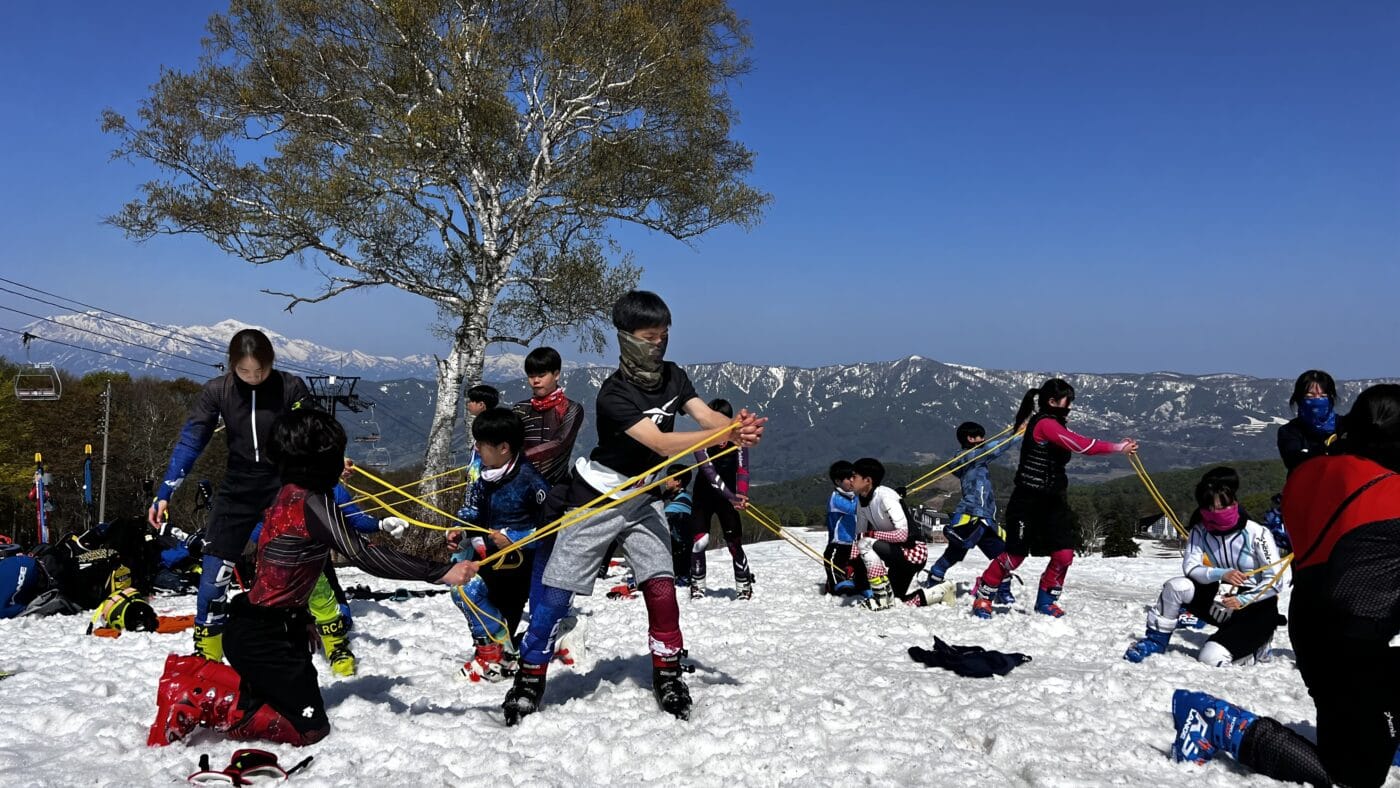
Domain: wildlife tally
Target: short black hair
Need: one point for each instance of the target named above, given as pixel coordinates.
(969, 430)
(499, 425)
(1219, 486)
(839, 471)
(640, 309)
(1305, 381)
(543, 360)
(486, 395)
(308, 447)
(870, 468)
(684, 478)
(722, 407)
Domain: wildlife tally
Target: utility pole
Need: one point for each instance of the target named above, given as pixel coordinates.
(106, 428)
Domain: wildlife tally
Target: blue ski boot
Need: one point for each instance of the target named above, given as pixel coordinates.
(1206, 725)
(1045, 602)
(1004, 595)
(1155, 642)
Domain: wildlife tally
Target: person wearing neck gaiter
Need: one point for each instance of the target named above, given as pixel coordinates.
(1038, 518)
(552, 420)
(1343, 513)
(1228, 548)
(636, 413)
(1313, 431)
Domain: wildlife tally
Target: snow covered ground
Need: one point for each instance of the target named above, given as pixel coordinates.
(790, 688)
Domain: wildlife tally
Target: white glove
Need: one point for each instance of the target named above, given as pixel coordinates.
(393, 526)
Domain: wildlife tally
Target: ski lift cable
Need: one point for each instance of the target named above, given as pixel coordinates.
(32, 335)
(109, 337)
(163, 332)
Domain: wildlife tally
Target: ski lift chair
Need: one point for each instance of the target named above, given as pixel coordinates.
(371, 429)
(38, 383)
(377, 458)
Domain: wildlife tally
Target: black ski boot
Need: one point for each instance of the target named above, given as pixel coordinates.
(667, 683)
(524, 696)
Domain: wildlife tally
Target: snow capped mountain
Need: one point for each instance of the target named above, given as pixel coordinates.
(898, 411)
(168, 351)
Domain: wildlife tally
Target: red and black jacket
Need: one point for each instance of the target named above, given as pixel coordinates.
(299, 531)
(1347, 566)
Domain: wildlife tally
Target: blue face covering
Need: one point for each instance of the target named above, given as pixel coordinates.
(1317, 413)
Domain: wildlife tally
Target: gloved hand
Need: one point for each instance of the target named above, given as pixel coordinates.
(393, 526)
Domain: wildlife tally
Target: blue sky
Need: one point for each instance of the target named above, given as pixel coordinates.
(1064, 186)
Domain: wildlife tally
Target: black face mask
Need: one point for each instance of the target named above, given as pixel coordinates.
(1058, 414)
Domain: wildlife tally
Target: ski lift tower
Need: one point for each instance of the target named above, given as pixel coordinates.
(336, 391)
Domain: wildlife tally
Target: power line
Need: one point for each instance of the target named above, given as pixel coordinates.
(31, 335)
(219, 367)
(170, 331)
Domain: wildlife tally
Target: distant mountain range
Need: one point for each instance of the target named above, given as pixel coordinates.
(899, 411)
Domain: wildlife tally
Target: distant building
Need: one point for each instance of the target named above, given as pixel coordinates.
(1157, 527)
(928, 523)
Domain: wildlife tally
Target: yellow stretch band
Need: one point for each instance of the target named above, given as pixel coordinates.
(911, 489)
(581, 513)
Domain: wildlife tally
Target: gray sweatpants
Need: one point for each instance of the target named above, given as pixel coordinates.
(639, 526)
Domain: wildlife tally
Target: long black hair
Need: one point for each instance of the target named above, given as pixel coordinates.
(1054, 388)
(1372, 428)
(250, 342)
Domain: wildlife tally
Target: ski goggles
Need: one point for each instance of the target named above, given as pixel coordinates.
(246, 767)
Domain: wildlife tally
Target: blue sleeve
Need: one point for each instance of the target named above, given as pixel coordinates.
(353, 514)
(471, 507)
(195, 435)
(536, 492)
(998, 448)
(257, 531)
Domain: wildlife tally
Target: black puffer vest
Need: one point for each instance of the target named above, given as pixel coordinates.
(1042, 466)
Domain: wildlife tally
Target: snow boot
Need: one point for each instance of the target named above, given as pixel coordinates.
(624, 590)
(1206, 725)
(1188, 619)
(881, 595)
(1155, 642)
(525, 695)
(744, 588)
(570, 644)
(193, 691)
(209, 643)
(1004, 595)
(336, 643)
(488, 664)
(265, 724)
(944, 593)
(982, 600)
(697, 588)
(1045, 602)
(672, 695)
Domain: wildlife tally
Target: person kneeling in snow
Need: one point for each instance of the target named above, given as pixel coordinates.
(891, 554)
(1343, 513)
(271, 692)
(1226, 547)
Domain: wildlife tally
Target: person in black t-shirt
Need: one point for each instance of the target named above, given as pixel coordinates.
(636, 414)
